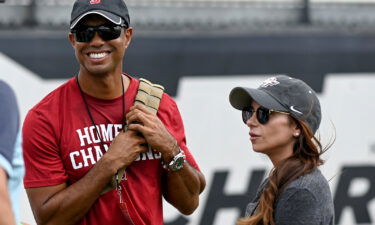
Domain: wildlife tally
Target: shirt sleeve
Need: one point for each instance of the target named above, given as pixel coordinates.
(297, 207)
(9, 122)
(43, 163)
(170, 115)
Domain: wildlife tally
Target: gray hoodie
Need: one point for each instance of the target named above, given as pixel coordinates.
(306, 201)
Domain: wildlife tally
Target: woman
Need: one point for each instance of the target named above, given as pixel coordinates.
(283, 114)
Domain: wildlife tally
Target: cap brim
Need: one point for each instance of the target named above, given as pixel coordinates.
(241, 97)
(107, 15)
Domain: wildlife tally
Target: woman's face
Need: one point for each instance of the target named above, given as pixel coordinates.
(274, 138)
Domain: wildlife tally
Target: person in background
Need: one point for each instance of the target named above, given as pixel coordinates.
(79, 136)
(11, 163)
(283, 114)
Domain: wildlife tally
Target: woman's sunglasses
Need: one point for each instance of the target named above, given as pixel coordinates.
(262, 114)
(106, 32)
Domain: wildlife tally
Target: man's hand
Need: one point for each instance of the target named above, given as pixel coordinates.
(125, 148)
(180, 188)
(150, 126)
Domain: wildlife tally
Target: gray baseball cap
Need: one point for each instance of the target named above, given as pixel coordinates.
(113, 10)
(282, 93)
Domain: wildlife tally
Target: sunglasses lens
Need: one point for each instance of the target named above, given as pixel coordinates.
(246, 114)
(107, 33)
(263, 115)
(84, 34)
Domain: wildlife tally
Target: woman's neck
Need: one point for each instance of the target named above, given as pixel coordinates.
(280, 155)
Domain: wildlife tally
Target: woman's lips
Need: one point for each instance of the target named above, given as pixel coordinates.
(253, 136)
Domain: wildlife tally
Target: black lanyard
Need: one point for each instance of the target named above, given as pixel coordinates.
(89, 112)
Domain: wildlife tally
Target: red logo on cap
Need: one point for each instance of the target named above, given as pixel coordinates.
(94, 2)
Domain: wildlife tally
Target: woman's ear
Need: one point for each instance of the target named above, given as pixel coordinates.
(296, 130)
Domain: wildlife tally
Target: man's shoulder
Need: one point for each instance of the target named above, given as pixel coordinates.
(7, 94)
(166, 102)
(9, 120)
(168, 105)
(5, 88)
(55, 97)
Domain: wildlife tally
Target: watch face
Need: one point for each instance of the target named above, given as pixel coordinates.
(177, 164)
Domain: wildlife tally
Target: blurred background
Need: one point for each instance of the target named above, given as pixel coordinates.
(199, 50)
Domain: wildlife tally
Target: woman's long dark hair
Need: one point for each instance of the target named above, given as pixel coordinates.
(306, 157)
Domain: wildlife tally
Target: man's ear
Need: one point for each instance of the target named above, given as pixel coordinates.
(72, 40)
(128, 36)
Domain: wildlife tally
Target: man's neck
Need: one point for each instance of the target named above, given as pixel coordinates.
(103, 87)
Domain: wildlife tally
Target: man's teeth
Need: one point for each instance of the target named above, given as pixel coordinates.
(98, 55)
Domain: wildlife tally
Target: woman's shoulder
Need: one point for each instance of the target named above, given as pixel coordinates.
(309, 197)
(314, 180)
(313, 183)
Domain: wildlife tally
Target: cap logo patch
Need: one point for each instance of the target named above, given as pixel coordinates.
(295, 110)
(92, 2)
(272, 81)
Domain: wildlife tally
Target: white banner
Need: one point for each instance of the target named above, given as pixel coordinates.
(219, 141)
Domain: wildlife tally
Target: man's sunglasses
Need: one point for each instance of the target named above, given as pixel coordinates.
(262, 114)
(106, 32)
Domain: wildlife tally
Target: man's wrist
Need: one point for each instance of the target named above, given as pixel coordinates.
(174, 150)
(110, 163)
(176, 163)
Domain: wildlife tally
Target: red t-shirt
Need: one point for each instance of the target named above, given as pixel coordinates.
(61, 145)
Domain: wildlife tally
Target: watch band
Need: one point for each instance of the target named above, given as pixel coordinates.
(177, 162)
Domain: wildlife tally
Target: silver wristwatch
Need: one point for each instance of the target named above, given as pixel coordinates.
(177, 162)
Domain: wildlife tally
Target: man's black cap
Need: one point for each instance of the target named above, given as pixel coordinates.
(282, 93)
(113, 10)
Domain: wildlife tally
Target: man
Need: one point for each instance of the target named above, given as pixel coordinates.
(74, 143)
(11, 163)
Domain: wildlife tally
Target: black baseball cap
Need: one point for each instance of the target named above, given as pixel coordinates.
(113, 10)
(282, 93)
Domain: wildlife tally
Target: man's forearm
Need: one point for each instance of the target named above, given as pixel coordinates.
(62, 204)
(183, 188)
(7, 217)
(69, 205)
